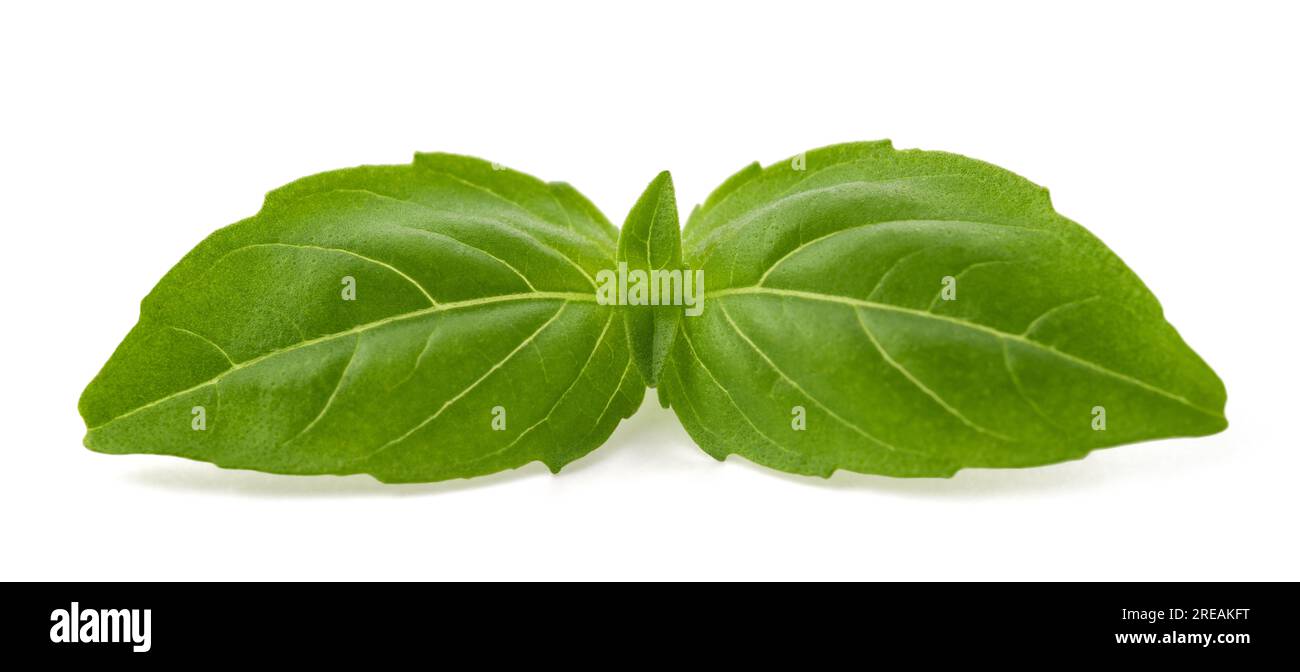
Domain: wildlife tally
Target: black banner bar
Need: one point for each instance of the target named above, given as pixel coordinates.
(141, 624)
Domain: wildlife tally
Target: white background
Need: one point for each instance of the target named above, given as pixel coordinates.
(130, 131)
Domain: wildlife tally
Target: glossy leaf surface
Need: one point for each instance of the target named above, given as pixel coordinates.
(911, 313)
(417, 323)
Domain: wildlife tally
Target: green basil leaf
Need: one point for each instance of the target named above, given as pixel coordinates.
(416, 323)
(912, 313)
(650, 242)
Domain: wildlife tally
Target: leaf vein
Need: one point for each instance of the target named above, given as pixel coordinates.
(205, 339)
(329, 401)
(831, 298)
(361, 328)
(550, 411)
(889, 359)
(1049, 312)
(714, 237)
(862, 432)
(341, 250)
(447, 404)
(687, 339)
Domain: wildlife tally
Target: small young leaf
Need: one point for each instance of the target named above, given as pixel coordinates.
(912, 313)
(416, 323)
(651, 241)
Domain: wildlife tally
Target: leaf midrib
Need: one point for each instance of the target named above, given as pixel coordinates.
(359, 329)
(1018, 338)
